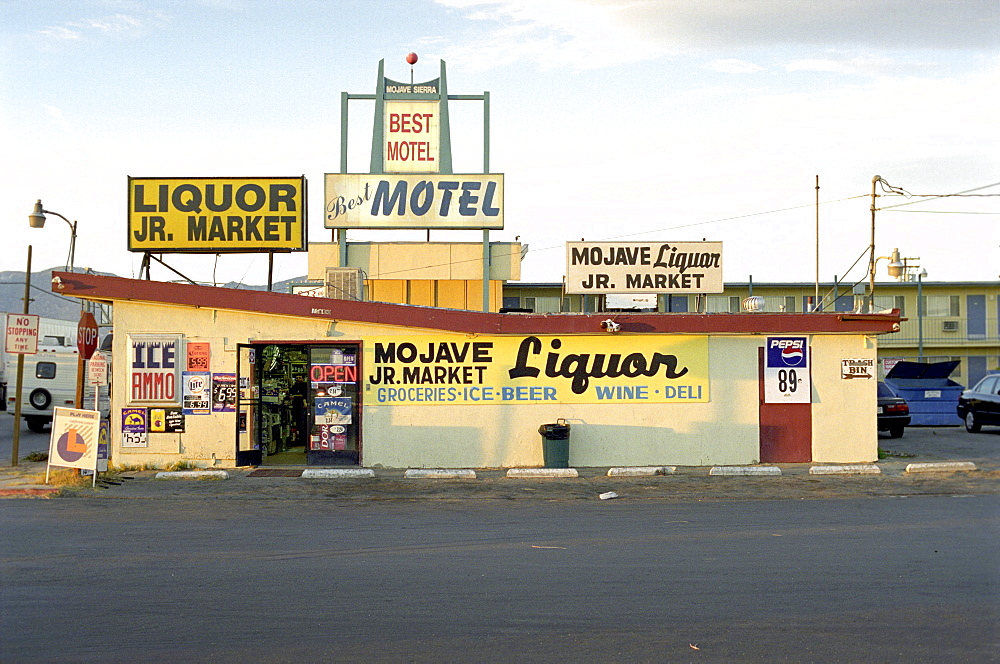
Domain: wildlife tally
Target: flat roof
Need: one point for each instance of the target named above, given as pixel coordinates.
(119, 289)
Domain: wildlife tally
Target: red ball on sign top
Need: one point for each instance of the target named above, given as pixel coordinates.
(411, 58)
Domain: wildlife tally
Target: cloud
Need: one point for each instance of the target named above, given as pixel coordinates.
(119, 23)
(733, 66)
(553, 34)
(593, 33)
(115, 25)
(56, 114)
(61, 33)
(867, 65)
(820, 65)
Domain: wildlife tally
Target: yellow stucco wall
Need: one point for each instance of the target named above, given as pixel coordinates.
(722, 431)
(844, 415)
(419, 260)
(448, 294)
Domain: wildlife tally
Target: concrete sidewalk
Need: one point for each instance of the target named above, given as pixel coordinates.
(890, 477)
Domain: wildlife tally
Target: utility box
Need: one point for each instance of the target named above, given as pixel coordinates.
(932, 396)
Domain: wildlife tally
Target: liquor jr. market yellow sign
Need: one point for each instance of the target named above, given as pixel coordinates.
(536, 369)
(199, 215)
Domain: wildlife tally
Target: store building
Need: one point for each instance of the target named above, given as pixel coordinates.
(209, 375)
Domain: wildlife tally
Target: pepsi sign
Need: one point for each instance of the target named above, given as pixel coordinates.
(786, 370)
(787, 352)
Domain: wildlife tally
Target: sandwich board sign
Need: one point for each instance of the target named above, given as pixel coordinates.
(74, 441)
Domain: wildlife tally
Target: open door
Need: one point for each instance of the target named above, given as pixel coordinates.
(248, 450)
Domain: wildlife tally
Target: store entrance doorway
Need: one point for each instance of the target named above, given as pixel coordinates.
(299, 404)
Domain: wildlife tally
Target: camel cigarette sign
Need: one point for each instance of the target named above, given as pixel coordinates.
(214, 215)
(643, 267)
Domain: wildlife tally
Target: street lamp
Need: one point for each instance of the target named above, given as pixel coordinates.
(37, 220)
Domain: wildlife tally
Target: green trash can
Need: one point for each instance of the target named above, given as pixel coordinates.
(555, 444)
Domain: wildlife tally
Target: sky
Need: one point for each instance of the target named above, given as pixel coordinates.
(675, 120)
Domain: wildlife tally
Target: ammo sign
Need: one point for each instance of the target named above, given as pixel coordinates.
(214, 215)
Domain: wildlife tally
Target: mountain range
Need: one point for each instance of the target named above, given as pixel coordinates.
(47, 304)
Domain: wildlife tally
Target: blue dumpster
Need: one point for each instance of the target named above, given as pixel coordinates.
(932, 396)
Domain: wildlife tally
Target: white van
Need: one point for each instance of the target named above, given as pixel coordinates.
(49, 381)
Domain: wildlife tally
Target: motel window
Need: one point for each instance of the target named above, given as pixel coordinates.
(887, 302)
(721, 304)
(547, 305)
(940, 306)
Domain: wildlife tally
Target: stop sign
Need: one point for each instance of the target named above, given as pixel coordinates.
(86, 335)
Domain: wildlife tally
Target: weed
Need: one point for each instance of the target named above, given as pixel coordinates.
(132, 467)
(37, 456)
(885, 454)
(182, 464)
(68, 477)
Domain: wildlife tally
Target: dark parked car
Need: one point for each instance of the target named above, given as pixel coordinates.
(981, 404)
(893, 412)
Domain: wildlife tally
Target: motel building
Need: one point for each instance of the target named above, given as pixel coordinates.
(212, 376)
(401, 357)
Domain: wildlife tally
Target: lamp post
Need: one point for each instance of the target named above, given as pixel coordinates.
(37, 220)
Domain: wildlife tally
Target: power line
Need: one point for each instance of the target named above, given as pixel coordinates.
(934, 212)
(658, 230)
(930, 197)
(742, 216)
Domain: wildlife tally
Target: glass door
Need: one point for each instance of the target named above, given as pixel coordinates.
(335, 403)
(248, 447)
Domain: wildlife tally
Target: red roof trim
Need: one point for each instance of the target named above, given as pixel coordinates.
(95, 287)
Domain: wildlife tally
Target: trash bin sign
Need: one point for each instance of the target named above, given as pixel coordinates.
(555, 444)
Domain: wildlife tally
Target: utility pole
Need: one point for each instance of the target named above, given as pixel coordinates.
(871, 257)
(816, 300)
(16, 442)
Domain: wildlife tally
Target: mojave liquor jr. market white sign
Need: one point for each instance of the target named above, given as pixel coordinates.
(643, 267)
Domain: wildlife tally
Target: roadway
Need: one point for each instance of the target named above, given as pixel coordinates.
(913, 578)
